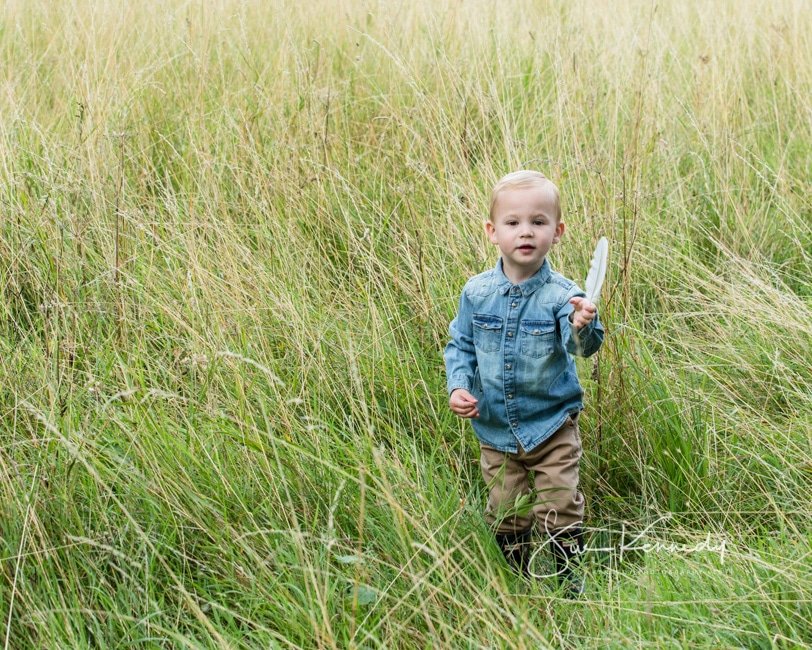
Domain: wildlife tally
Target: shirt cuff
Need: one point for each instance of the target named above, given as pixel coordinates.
(459, 382)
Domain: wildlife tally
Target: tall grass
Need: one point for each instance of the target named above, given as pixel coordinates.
(233, 236)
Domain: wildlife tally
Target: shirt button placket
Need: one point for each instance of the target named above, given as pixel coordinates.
(510, 343)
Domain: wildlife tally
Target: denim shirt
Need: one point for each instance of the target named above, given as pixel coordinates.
(510, 348)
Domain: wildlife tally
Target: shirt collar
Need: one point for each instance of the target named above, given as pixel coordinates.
(528, 286)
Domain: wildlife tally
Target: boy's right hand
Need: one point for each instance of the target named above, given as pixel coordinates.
(463, 403)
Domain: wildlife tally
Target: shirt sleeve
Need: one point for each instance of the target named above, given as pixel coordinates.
(582, 342)
(460, 354)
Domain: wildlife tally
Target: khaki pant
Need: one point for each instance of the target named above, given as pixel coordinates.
(557, 503)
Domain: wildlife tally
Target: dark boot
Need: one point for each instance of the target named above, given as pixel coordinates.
(516, 548)
(567, 547)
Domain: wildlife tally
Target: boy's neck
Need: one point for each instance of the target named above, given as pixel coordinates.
(519, 275)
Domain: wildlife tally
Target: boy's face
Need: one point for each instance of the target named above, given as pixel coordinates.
(525, 227)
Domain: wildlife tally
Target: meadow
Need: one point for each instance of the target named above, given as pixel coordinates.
(232, 237)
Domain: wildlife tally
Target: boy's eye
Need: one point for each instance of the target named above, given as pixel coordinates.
(539, 222)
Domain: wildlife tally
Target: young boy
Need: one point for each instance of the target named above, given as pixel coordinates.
(509, 369)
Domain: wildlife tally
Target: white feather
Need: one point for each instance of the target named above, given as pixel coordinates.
(597, 270)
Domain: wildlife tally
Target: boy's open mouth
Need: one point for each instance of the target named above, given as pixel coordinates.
(526, 247)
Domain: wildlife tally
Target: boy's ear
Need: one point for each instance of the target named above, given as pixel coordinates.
(559, 230)
(490, 231)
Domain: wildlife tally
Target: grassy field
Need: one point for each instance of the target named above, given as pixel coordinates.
(233, 234)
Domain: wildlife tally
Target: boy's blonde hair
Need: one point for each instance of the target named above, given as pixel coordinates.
(524, 178)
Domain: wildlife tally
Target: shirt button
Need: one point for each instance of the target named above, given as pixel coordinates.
(514, 423)
(510, 334)
(510, 395)
(507, 366)
(514, 304)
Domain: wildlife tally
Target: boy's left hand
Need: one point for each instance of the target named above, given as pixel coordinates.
(584, 313)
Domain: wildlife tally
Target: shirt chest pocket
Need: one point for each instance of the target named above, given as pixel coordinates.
(537, 337)
(487, 332)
